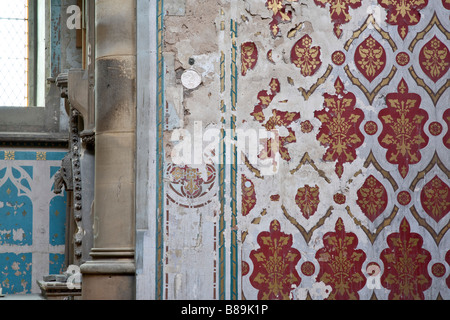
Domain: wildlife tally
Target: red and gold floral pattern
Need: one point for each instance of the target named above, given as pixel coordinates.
(307, 199)
(339, 12)
(405, 265)
(341, 264)
(403, 128)
(338, 58)
(306, 126)
(280, 14)
(371, 128)
(434, 59)
(372, 198)
(265, 98)
(339, 198)
(281, 119)
(277, 144)
(249, 57)
(305, 57)
(370, 58)
(438, 270)
(308, 268)
(274, 265)
(403, 13)
(402, 59)
(435, 199)
(273, 146)
(435, 128)
(189, 183)
(392, 135)
(340, 131)
(248, 195)
(404, 198)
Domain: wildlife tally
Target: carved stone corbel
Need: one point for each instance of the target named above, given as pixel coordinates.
(64, 177)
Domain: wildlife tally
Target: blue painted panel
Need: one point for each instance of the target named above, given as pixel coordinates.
(53, 171)
(16, 216)
(58, 220)
(56, 156)
(16, 273)
(19, 172)
(57, 265)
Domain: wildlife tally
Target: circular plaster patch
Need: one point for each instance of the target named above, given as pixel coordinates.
(191, 79)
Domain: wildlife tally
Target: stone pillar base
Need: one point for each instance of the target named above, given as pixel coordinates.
(108, 287)
(108, 278)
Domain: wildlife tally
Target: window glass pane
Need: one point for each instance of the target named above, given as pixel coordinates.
(14, 53)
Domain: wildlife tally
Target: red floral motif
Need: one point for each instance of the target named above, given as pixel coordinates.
(276, 144)
(279, 14)
(434, 59)
(341, 264)
(307, 199)
(403, 13)
(339, 198)
(435, 128)
(338, 58)
(438, 270)
(371, 128)
(370, 58)
(339, 12)
(435, 199)
(308, 268)
(403, 132)
(405, 265)
(281, 119)
(305, 57)
(249, 56)
(265, 98)
(404, 198)
(306, 126)
(402, 59)
(340, 127)
(275, 263)
(189, 183)
(248, 195)
(372, 198)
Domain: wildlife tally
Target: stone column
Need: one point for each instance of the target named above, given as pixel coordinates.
(111, 273)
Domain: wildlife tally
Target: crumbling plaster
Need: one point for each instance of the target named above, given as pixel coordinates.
(199, 36)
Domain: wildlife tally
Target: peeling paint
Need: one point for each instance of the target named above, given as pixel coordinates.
(292, 66)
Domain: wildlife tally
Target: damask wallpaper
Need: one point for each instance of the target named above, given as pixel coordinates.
(310, 159)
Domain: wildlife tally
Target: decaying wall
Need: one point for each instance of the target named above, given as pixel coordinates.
(32, 218)
(306, 149)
